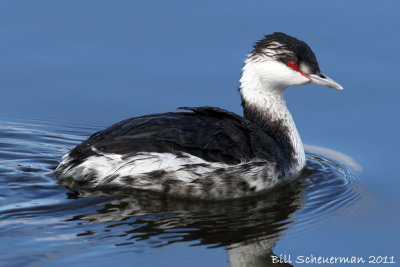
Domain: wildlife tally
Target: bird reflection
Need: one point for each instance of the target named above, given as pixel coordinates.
(248, 228)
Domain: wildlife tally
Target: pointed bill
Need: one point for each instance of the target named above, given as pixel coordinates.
(323, 80)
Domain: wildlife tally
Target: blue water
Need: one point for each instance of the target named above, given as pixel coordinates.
(70, 68)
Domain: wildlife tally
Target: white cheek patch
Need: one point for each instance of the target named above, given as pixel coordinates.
(270, 76)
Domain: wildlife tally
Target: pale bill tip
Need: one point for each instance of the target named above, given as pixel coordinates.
(324, 80)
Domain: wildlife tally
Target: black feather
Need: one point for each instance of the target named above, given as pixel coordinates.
(212, 134)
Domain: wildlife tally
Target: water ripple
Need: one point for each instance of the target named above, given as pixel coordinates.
(35, 209)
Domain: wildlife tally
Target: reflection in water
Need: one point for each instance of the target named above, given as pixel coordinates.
(248, 228)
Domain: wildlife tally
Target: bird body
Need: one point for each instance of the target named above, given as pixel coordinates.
(207, 152)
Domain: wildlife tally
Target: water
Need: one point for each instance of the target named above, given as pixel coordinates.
(50, 224)
(71, 68)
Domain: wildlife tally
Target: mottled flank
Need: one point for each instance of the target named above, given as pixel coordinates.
(191, 177)
(207, 153)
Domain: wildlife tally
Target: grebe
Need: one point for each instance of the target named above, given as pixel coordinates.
(207, 152)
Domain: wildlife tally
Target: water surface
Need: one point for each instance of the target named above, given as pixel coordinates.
(50, 224)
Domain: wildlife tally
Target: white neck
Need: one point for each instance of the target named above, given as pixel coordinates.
(263, 91)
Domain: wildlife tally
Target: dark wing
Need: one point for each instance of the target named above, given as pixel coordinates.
(210, 133)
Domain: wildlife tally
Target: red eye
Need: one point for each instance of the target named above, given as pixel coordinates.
(293, 65)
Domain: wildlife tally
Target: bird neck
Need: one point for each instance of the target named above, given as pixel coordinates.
(263, 103)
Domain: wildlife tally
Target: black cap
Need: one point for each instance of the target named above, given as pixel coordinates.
(282, 47)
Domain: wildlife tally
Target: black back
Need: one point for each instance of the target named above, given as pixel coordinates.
(212, 134)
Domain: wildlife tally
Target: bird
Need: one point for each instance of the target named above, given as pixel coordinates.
(207, 152)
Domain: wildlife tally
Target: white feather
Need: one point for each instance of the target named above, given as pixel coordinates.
(111, 169)
(263, 84)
